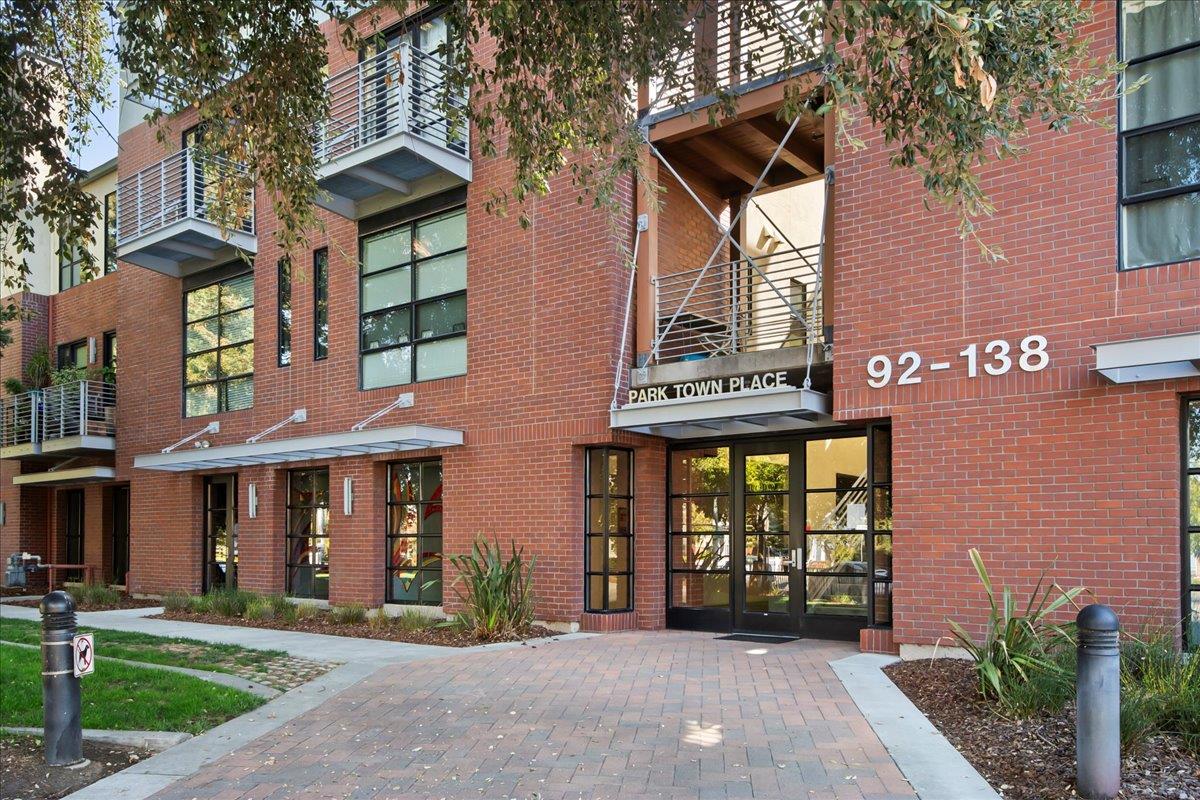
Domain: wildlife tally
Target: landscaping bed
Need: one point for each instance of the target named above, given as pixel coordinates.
(124, 601)
(1032, 758)
(401, 629)
(26, 775)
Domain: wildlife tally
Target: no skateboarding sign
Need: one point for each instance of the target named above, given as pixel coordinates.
(84, 649)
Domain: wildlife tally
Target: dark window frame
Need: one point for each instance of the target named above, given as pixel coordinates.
(110, 349)
(320, 304)
(1124, 135)
(73, 536)
(1188, 583)
(63, 354)
(209, 538)
(391, 536)
(413, 342)
(69, 274)
(110, 233)
(283, 327)
(606, 497)
(222, 383)
(290, 537)
(674, 531)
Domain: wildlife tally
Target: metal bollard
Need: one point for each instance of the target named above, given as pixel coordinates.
(63, 732)
(1098, 704)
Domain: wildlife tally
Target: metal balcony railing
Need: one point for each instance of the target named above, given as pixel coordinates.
(401, 89)
(182, 186)
(19, 416)
(80, 408)
(731, 53)
(760, 303)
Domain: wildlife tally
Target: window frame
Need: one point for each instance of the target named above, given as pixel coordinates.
(320, 304)
(389, 537)
(109, 352)
(70, 268)
(110, 233)
(589, 606)
(1123, 135)
(71, 347)
(289, 537)
(413, 343)
(222, 382)
(1188, 583)
(283, 312)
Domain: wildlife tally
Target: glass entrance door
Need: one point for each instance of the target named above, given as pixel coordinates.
(220, 532)
(767, 592)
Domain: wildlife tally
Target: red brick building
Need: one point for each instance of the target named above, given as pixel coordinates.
(798, 427)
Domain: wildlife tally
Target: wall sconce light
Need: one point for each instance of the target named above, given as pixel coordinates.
(252, 501)
(348, 496)
(91, 349)
(3, 512)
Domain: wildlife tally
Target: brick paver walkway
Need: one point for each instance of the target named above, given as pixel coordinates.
(632, 715)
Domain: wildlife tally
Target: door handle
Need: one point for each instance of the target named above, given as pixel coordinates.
(797, 557)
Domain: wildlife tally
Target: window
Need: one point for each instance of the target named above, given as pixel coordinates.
(110, 232)
(220, 532)
(1160, 133)
(308, 533)
(284, 330)
(73, 354)
(320, 304)
(413, 301)
(74, 532)
(219, 351)
(70, 259)
(110, 349)
(1191, 522)
(699, 528)
(608, 534)
(414, 533)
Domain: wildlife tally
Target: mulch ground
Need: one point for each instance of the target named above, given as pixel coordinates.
(27, 777)
(442, 637)
(1032, 759)
(124, 602)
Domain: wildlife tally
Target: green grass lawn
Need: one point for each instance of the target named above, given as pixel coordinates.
(152, 649)
(121, 697)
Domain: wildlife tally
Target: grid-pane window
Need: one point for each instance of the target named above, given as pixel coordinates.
(320, 304)
(220, 532)
(699, 528)
(413, 301)
(414, 533)
(110, 232)
(70, 261)
(72, 354)
(219, 347)
(308, 533)
(837, 497)
(1160, 133)
(881, 516)
(74, 531)
(1191, 536)
(608, 540)
(284, 297)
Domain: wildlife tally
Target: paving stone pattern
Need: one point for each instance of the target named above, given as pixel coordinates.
(284, 672)
(664, 715)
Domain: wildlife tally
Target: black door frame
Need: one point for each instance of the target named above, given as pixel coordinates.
(120, 533)
(231, 529)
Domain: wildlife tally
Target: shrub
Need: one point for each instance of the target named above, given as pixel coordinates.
(1046, 691)
(410, 619)
(287, 612)
(259, 608)
(1015, 645)
(280, 604)
(231, 602)
(349, 614)
(177, 601)
(1160, 691)
(201, 604)
(498, 596)
(306, 610)
(379, 620)
(91, 595)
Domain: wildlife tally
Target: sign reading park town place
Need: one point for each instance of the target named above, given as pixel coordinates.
(709, 387)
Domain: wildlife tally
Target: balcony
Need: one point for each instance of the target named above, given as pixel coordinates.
(755, 314)
(388, 140)
(71, 419)
(166, 216)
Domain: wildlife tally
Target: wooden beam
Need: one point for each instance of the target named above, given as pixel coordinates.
(730, 159)
(765, 100)
(799, 151)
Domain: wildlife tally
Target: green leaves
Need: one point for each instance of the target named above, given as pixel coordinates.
(497, 597)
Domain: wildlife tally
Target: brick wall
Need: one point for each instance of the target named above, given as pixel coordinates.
(1054, 471)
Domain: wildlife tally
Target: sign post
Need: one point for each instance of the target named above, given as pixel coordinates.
(62, 726)
(84, 649)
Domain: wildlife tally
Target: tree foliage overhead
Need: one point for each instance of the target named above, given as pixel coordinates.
(553, 86)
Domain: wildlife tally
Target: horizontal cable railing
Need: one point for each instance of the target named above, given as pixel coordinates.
(764, 303)
(183, 185)
(731, 52)
(401, 89)
(79, 408)
(19, 419)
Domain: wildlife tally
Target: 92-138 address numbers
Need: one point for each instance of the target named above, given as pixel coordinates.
(997, 358)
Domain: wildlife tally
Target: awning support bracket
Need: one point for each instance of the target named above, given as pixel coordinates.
(299, 415)
(403, 401)
(212, 427)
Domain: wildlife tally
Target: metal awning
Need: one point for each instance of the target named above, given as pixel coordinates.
(756, 411)
(303, 448)
(1155, 359)
(61, 477)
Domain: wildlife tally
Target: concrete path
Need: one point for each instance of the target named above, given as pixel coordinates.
(630, 715)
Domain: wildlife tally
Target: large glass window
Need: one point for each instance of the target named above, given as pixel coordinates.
(70, 262)
(1160, 133)
(608, 536)
(308, 533)
(1191, 522)
(320, 304)
(219, 347)
(110, 232)
(284, 297)
(72, 354)
(414, 534)
(413, 301)
(837, 498)
(699, 525)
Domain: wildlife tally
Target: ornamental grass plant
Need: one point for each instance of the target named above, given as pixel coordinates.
(496, 594)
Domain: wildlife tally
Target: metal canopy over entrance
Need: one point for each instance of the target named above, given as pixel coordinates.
(756, 411)
(303, 448)
(1155, 359)
(66, 477)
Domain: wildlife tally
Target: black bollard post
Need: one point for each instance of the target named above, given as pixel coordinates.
(63, 734)
(1098, 704)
